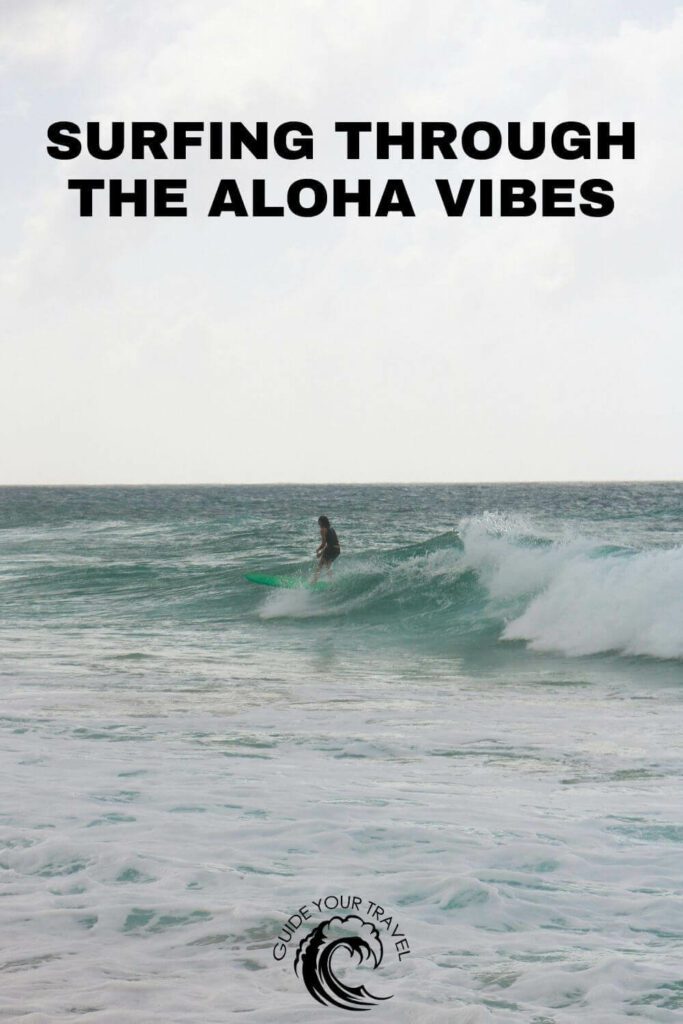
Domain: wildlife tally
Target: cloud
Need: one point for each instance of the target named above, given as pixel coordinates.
(427, 348)
(45, 32)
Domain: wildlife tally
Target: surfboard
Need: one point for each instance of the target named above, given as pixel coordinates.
(289, 582)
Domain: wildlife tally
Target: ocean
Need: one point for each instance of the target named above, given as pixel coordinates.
(476, 726)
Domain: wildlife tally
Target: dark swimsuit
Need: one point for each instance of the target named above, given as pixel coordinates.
(332, 549)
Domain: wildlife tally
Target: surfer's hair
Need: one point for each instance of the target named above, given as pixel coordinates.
(324, 521)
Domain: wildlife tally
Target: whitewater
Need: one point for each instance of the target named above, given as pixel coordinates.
(476, 725)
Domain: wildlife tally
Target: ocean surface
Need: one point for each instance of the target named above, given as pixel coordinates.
(477, 725)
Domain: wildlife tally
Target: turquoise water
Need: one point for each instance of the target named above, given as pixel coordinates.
(476, 724)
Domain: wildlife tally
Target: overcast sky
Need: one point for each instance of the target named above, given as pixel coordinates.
(330, 350)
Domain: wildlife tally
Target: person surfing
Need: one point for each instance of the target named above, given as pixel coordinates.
(329, 547)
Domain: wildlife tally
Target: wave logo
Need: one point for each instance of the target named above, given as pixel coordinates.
(328, 951)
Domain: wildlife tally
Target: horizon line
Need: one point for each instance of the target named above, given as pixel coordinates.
(359, 483)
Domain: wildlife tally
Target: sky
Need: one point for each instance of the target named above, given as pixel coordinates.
(226, 350)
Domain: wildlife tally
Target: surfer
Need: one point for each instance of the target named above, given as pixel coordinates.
(329, 547)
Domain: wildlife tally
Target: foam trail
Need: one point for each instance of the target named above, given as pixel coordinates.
(293, 604)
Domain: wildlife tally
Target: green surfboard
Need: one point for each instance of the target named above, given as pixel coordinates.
(289, 582)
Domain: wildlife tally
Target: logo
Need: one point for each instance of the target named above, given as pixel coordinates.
(353, 934)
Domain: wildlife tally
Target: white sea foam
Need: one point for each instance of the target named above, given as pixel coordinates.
(534, 869)
(579, 600)
(294, 604)
(632, 604)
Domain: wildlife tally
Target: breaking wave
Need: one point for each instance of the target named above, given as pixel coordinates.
(567, 594)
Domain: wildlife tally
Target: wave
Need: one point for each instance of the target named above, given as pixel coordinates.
(567, 594)
(495, 578)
